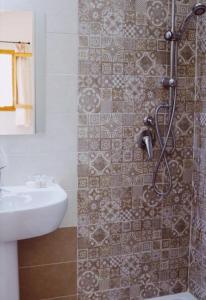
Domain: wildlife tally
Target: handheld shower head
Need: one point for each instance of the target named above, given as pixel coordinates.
(199, 9)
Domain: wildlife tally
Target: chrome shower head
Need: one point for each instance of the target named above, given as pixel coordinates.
(199, 9)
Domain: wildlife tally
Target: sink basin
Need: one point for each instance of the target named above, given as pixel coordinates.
(25, 213)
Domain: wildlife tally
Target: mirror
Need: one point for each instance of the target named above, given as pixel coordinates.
(6, 80)
(17, 101)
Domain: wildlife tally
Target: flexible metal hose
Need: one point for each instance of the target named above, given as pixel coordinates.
(171, 106)
(163, 146)
(197, 10)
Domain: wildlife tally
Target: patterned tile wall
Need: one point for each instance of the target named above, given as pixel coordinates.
(197, 274)
(132, 244)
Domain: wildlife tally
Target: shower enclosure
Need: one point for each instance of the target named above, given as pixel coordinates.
(174, 37)
(141, 223)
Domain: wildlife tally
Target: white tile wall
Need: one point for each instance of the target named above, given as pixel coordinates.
(53, 152)
(61, 54)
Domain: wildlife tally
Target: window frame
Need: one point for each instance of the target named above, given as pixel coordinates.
(13, 106)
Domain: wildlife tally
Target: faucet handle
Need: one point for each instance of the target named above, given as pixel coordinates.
(146, 141)
(149, 121)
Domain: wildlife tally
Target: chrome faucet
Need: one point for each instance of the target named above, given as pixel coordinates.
(146, 142)
(146, 139)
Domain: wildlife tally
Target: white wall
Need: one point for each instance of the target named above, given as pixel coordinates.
(16, 26)
(54, 151)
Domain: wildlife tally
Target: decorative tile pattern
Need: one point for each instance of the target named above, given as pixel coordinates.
(197, 265)
(132, 244)
(113, 20)
(89, 100)
(157, 12)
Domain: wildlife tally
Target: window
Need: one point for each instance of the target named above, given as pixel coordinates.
(9, 89)
(7, 80)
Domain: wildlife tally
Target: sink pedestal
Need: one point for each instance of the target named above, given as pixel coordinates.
(9, 283)
(20, 208)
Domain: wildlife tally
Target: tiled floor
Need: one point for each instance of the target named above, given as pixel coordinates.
(181, 296)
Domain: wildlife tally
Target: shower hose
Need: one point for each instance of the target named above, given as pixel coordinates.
(163, 145)
(197, 10)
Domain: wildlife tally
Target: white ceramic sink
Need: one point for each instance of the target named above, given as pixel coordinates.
(25, 213)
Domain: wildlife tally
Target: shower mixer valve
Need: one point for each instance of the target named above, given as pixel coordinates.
(147, 137)
(146, 142)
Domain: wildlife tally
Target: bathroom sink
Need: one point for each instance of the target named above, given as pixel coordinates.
(25, 213)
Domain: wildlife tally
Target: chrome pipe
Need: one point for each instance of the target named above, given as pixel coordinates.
(173, 48)
(171, 112)
(173, 37)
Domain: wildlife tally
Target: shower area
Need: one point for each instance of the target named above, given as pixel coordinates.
(141, 157)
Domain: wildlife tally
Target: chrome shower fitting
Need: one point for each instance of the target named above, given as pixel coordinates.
(169, 82)
(197, 10)
(149, 121)
(146, 139)
(173, 37)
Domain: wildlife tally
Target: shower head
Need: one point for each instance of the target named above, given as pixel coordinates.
(199, 9)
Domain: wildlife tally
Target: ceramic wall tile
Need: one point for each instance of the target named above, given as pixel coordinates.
(132, 244)
(197, 250)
